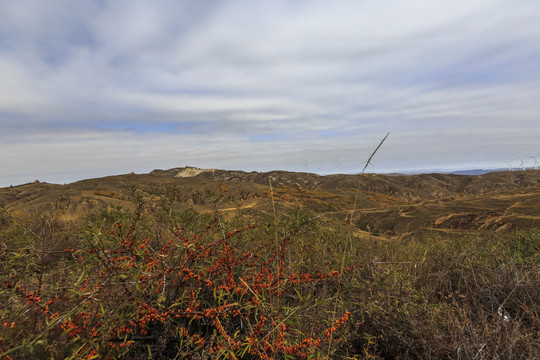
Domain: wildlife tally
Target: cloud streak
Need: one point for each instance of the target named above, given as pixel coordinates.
(99, 87)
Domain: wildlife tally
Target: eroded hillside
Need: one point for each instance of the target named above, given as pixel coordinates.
(384, 205)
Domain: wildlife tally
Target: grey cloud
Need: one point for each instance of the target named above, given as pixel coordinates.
(329, 79)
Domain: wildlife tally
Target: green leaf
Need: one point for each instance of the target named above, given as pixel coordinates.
(80, 279)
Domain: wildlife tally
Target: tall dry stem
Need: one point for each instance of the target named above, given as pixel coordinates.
(349, 238)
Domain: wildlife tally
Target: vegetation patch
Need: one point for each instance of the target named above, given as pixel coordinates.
(280, 279)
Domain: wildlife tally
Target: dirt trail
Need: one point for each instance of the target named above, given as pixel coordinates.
(239, 208)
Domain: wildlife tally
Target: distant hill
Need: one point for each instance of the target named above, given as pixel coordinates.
(476, 171)
(388, 204)
(406, 187)
(455, 172)
(458, 172)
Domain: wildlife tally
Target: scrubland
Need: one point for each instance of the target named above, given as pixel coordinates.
(272, 281)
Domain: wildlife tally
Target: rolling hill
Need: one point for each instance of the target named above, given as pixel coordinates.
(211, 264)
(390, 205)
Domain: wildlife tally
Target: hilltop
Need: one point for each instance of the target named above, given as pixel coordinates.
(394, 205)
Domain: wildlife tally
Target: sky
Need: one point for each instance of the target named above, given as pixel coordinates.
(96, 88)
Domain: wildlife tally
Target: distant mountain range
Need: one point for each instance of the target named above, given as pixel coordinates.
(457, 172)
(478, 171)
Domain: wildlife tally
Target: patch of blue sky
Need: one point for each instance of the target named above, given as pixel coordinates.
(81, 37)
(267, 137)
(11, 124)
(120, 62)
(144, 128)
(53, 59)
(58, 53)
(6, 44)
(9, 117)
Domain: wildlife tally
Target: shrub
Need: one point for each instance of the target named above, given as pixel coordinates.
(197, 295)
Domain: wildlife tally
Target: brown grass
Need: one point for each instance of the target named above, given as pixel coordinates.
(69, 288)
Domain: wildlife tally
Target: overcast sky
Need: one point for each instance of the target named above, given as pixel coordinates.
(95, 88)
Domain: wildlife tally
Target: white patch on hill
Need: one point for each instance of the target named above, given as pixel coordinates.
(192, 171)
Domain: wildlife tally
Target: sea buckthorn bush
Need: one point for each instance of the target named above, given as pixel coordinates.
(211, 293)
